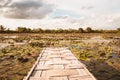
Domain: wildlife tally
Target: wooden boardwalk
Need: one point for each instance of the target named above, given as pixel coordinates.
(58, 64)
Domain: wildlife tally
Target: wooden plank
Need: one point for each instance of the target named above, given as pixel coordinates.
(61, 73)
(36, 73)
(79, 77)
(58, 67)
(37, 78)
(59, 62)
(73, 66)
(43, 67)
(58, 78)
(41, 63)
(44, 74)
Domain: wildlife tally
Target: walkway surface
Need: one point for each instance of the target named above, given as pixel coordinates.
(58, 64)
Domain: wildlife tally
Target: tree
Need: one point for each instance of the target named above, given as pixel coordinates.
(37, 30)
(23, 29)
(2, 29)
(20, 29)
(72, 30)
(118, 29)
(47, 31)
(28, 30)
(59, 30)
(80, 30)
(89, 30)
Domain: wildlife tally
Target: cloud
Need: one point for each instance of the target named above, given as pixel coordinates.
(4, 3)
(98, 14)
(60, 17)
(87, 7)
(25, 9)
(101, 22)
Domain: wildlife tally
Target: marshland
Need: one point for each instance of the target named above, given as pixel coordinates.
(99, 52)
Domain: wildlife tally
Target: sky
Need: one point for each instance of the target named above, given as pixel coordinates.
(55, 14)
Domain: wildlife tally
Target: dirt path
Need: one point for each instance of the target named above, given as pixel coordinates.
(58, 64)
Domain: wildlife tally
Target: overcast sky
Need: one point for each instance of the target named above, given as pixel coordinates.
(53, 14)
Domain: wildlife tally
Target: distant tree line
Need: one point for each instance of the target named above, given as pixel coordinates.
(40, 30)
